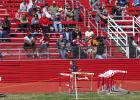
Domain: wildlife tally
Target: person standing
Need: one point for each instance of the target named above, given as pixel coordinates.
(61, 45)
(73, 66)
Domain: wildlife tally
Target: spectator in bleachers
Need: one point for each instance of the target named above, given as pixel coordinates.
(61, 45)
(39, 12)
(136, 3)
(57, 22)
(35, 22)
(17, 16)
(24, 23)
(76, 47)
(46, 12)
(1, 55)
(117, 12)
(95, 5)
(132, 48)
(29, 43)
(67, 34)
(76, 33)
(100, 54)
(69, 15)
(39, 1)
(139, 17)
(53, 8)
(101, 14)
(61, 11)
(23, 6)
(110, 1)
(44, 44)
(77, 14)
(91, 47)
(6, 25)
(89, 33)
(32, 8)
(45, 24)
(101, 19)
(0, 35)
(122, 3)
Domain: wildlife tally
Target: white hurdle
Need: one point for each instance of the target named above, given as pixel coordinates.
(109, 77)
(74, 77)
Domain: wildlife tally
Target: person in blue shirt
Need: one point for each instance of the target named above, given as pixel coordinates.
(73, 67)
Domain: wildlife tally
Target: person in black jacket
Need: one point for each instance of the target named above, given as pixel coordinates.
(101, 49)
(6, 28)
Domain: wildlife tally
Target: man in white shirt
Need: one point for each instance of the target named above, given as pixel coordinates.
(46, 12)
(23, 6)
(89, 32)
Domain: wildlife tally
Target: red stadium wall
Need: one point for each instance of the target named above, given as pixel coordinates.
(48, 70)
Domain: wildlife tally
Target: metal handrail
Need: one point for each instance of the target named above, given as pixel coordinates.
(20, 53)
(121, 36)
(136, 22)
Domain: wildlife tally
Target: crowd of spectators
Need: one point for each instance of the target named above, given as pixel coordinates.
(52, 14)
(48, 18)
(72, 44)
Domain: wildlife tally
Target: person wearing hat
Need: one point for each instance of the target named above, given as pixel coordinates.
(57, 22)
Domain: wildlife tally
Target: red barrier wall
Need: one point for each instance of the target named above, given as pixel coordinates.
(40, 70)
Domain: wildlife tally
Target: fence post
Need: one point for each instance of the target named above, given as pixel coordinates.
(133, 26)
(19, 58)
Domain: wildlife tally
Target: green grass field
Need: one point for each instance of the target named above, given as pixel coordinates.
(64, 96)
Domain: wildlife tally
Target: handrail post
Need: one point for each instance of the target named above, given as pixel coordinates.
(84, 17)
(79, 52)
(133, 26)
(19, 58)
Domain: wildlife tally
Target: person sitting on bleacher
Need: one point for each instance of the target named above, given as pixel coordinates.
(6, 25)
(32, 8)
(76, 33)
(46, 12)
(23, 6)
(44, 44)
(122, 3)
(29, 43)
(24, 23)
(117, 12)
(69, 15)
(39, 1)
(136, 3)
(45, 24)
(89, 33)
(39, 12)
(67, 34)
(17, 16)
(35, 22)
(100, 54)
(139, 17)
(0, 35)
(57, 22)
(95, 4)
(53, 9)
